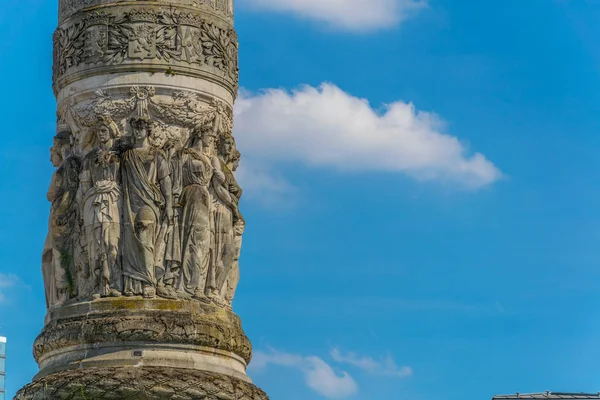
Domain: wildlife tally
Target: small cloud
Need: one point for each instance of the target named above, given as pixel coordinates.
(262, 184)
(7, 282)
(386, 366)
(322, 379)
(349, 15)
(326, 127)
(319, 376)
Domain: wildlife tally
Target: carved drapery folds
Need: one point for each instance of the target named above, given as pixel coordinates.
(172, 41)
(141, 260)
(144, 200)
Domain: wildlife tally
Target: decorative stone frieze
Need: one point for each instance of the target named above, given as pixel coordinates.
(134, 321)
(152, 39)
(142, 257)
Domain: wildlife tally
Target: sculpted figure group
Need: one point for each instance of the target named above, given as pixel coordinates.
(144, 214)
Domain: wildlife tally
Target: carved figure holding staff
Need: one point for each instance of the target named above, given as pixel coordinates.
(101, 211)
(147, 201)
(171, 280)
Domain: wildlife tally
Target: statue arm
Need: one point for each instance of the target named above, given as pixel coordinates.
(224, 195)
(166, 189)
(235, 190)
(218, 174)
(165, 182)
(52, 193)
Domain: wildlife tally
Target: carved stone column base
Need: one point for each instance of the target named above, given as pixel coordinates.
(123, 332)
(143, 383)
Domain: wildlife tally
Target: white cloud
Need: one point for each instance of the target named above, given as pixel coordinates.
(319, 375)
(328, 128)
(354, 15)
(264, 185)
(386, 366)
(7, 282)
(322, 379)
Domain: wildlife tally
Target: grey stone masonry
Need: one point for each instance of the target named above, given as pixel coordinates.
(142, 258)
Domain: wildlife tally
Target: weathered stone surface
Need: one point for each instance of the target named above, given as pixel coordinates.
(218, 8)
(173, 37)
(139, 383)
(144, 199)
(143, 322)
(141, 261)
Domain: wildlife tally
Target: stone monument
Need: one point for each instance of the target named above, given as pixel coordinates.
(141, 259)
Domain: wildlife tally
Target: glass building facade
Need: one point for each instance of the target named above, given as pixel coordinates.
(2, 367)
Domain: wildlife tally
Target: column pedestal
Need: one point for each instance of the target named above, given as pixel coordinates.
(142, 349)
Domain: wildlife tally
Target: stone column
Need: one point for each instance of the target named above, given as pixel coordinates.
(141, 260)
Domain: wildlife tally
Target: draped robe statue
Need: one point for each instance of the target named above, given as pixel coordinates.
(233, 277)
(224, 215)
(169, 259)
(101, 213)
(60, 247)
(146, 186)
(197, 172)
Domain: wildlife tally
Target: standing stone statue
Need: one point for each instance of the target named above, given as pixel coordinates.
(147, 202)
(224, 215)
(102, 211)
(233, 276)
(57, 260)
(141, 261)
(169, 262)
(197, 172)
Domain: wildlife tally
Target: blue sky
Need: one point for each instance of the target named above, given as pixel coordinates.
(447, 249)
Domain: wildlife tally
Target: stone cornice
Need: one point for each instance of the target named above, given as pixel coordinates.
(218, 8)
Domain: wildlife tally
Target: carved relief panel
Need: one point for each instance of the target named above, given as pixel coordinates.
(146, 40)
(144, 198)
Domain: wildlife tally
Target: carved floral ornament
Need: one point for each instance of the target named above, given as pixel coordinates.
(144, 200)
(181, 110)
(144, 34)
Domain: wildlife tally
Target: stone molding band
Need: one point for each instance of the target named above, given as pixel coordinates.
(137, 383)
(218, 8)
(131, 38)
(143, 321)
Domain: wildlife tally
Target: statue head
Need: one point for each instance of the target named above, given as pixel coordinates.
(226, 146)
(208, 137)
(61, 148)
(142, 128)
(55, 157)
(107, 130)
